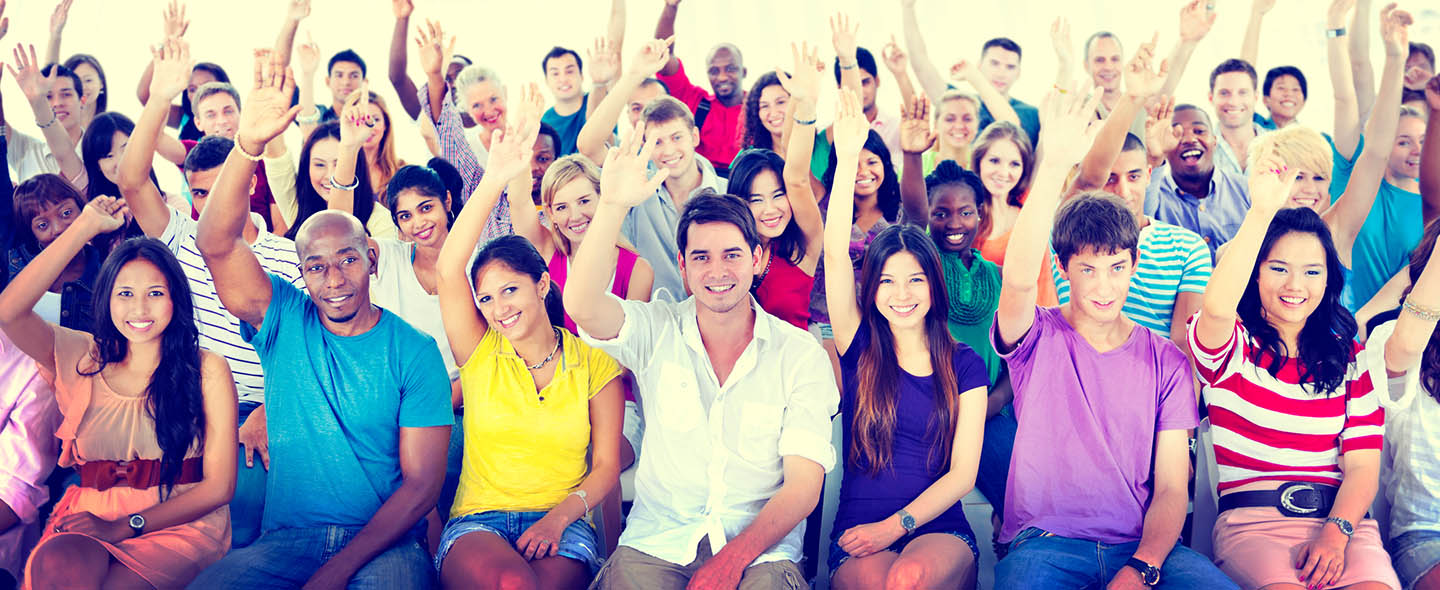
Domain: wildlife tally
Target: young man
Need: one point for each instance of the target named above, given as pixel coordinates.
(1232, 95)
(56, 96)
(547, 148)
(858, 59)
(1189, 190)
(1419, 68)
(649, 89)
(1116, 441)
(718, 115)
(28, 452)
(346, 73)
(740, 401)
(358, 405)
(1285, 92)
(217, 113)
(565, 75)
(219, 329)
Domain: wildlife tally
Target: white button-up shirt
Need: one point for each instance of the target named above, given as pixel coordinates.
(28, 156)
(711, 455)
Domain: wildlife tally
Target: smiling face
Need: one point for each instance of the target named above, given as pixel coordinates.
(675, 142)
(1001, 67)
(1099, 282)
(485, 104)
(336, 263)
(323, 156)
(421, 218)
(140, 304)
(562, 75)
(52, 220)
(954, 218)
(110, 162)
(1292, 279)
(959, 120)
(1405, 155)
(1001, 168)
(511, 301)
(218, 115)
(718, 266)
(1104, 62)
(540, 160)
(870, 176)
(1129, 176)
(774, 106)
(903, 295)
(89, 81)
(377, 133)
(1286, 99)
(572, 207)
(1234, 99)
(1311, 191)
(769, 204)
(344, 78)
(1194, 155)
(64, 99)
(725, 72)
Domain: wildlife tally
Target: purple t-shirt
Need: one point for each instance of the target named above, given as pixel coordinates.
(1081, 465)
(866, 499)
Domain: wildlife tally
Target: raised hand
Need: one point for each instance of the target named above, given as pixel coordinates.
(1068, 125)
(895, 58)
(402, 8)
(58, 18)
(915, 133)
(267, 111)
(653, 56)
(104, 214)
(174, 18)
(1161, 137)
(1337, 15)
(309, 55)
(171, 67)
(299, 9)
(1270, 181)
(355, 122)
(532, 103)
(1198, 16)
(512, 148)
(604, 61)
(1060, 38)
(844, 36)
(26, 73)
(1262, 6)
(4, 21)
(850, 127)
(966, 71)
(1141, 80)
(805, 81)
(1432, 93)
(435, 52)
(625, 179)
(1395, 30)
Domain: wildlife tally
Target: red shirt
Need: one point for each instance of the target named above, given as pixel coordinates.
(721, 133)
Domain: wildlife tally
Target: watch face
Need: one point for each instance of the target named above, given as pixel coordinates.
(137, 521)
(1152, 576)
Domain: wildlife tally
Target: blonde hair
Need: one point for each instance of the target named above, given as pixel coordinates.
(561, 173)
(1297, 146)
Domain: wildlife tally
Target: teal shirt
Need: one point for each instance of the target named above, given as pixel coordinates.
(1391, 231)
(568, 126)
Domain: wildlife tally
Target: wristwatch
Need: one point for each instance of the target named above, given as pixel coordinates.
(1148, 573)
(906, 521)
(137, 524)
(1343, 525)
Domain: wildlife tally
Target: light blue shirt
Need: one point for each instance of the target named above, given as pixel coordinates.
(1216, 216)
(651, 225)
(1226, 158)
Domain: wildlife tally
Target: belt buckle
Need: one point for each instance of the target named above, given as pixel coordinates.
(1287, 500)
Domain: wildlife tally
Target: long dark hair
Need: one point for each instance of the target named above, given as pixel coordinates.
(190, 131)
(419, 179)
(888, 197)
(95, 144)
(520, 255)
(1430, 359)
(790, 244)
(878, 373)
(174, 397)
(1325, 341)
(84, 58)
(756, 135)
(310, 201)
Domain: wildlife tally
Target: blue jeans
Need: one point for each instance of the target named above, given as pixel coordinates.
(286, 558)
(1039, 559)
(578, 541)
(248, 505)
(995, 451)
(452, 466)
(1414, 554)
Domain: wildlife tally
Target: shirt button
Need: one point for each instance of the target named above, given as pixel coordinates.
(1202, 207)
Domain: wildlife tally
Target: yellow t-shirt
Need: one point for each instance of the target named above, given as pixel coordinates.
(523, 454)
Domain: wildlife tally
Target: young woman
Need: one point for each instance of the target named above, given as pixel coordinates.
(957, 119)
(45, 206)
(379, 146)
(543, 410)
(766, 109)
(331, 151)
(1004, 160)
(92, 79)
(913, 402)
(149, 419)
(101, 147)
(1296, 422)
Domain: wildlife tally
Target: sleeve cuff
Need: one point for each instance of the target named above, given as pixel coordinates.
(1372, 359)
(24, 499)
(802, 443)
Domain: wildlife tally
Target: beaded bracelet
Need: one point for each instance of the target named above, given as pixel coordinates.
(1424, 313)
(241, 151)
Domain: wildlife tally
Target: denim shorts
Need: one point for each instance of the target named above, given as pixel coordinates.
(578, 542)
(1414, 554)
(838, 556)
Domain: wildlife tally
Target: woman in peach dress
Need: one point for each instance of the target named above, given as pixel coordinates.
(148, 419)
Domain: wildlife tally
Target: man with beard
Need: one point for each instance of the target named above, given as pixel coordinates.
(1189, 190)
(719, 116)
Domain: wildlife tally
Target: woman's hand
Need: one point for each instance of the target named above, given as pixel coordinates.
(868, 539)
(85, 523)
(1322, 560)
(542, 539)
(850, 128)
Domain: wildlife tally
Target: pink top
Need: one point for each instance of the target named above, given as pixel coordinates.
(784, 292)
(619, 285)
(28, 448)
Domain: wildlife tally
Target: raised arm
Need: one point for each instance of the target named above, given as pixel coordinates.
(309, 118)
(1413, 330)
(404, 87)
(652, 57)
(1161, 136)
(33, 335)
(843, 36)
(1142, 81)
(1270, 184)
(624, 183)
(665, 29)
(931, 81)
(1360, 65)
(37, 89)
(804, 89)
(1342, 80)
(1349, 212)
(355, 125)
(898, 63)
(285, 40)
(171, 65)
(1196, 18)
(1066, 132)
(849, 132)
(57, 27)
(604, 63)
(916, 138)
(996, 103)
(1250, 47)
(241, 283)
(1064, 51)
(1430, 160)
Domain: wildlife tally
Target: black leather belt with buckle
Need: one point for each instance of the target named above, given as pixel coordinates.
(1295, 499)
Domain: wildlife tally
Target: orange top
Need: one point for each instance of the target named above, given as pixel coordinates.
(993, 249)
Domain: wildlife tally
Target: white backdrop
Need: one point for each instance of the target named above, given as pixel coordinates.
(513, 36)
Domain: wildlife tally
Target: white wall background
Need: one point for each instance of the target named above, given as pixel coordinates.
(512, 37)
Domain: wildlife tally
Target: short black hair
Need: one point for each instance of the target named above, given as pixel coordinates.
(61, 70)
(1096, 221)
(1277, 72)
(547, 130)
(348, 55)
(712, 207)
(656, 82)
(864, 59)
(209, 153)
(1234, 65)
(1180, 108)
(454, 183)
(1132, 143)
(1005, 43)
(1422, 49)
(557, 52)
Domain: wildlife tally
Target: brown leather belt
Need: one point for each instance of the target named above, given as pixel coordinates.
(137, 474)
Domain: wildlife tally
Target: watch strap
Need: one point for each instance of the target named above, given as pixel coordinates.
(1148, 573)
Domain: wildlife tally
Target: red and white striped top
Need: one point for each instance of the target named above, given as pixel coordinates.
(1270, 428)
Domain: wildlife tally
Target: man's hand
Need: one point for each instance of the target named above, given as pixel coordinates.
(1395, 30)
(402, 8)
(716, 575)
(434, 50)
(604, 61)
(1127, 579)
(1060, 39)
(1337, 15)
(174, 18)
(309, 55)
(868, 539)
(171, 69)
(331, 576)
(1141, 80)
(33, 85)
(625, 180)
(966, 71)
(299, 9)
(895, 58)
(1197, 17)
(512, 148)
(916, 137)
(843, 37)
(1262, 7)
(653, 56)
(1432, 93)
(58, 18)
(1068, 125)
(1161, 137)
(805, 81)
(267, 111)
(255, 437)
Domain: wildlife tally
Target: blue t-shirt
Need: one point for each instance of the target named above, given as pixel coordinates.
(1391, 231)
(866, 499)
(568, 126)
(335, 406)
(1029, 119)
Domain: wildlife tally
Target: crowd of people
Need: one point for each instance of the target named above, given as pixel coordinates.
(1044, 302)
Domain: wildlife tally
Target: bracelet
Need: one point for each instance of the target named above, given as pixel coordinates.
(583, 500)
(355, 183)
(1333, 33)
(799, 122)
(1425, 313)
(1060, 90)
(308, 119)
(241, 151)
(850, 67)
(53, 119)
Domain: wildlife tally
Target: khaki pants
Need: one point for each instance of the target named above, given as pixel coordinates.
(630, 569)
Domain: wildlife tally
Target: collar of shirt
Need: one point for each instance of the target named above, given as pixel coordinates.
(708, 179)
